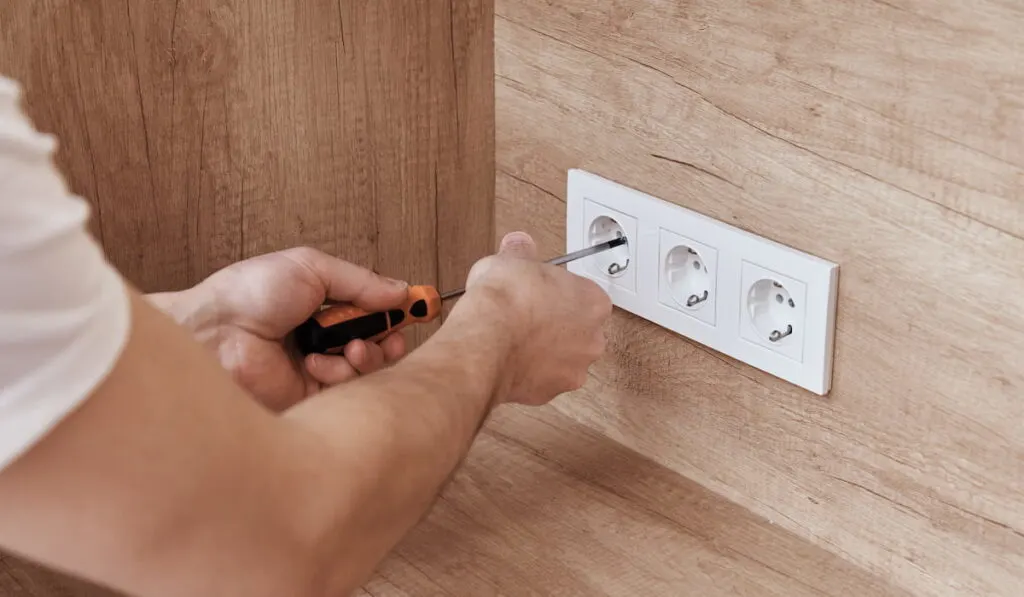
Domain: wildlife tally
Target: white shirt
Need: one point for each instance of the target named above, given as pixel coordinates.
(64, 310)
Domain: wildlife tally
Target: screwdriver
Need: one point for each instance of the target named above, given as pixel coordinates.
(330, 329)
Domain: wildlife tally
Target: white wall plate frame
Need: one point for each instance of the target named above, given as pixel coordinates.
(766, 304)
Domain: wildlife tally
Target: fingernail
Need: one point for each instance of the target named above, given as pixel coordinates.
(517, 239)
(396, 283)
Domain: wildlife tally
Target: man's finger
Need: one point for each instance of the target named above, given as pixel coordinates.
(393, 347)
(346, 282)
(330, 370)
(518, 244)
(366, 357)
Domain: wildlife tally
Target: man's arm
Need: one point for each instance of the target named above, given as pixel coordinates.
(158, 475)
(170, 480)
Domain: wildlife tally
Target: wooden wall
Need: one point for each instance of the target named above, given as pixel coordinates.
(886, 136)
(207, 131)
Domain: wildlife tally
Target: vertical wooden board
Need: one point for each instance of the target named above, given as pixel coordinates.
(465, 83)
(135, 94)
(356, 217)
(185, 55)
(207, 131)
(85, 72)
(300, 86)
(56, 75)
(400, 116)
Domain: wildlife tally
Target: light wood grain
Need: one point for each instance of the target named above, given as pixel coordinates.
(21, 579)
(206, 131)
(883, 136)
(545, 506)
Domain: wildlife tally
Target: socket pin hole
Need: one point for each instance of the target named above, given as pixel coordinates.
(614, 262)
(689, 282)
(770, 308)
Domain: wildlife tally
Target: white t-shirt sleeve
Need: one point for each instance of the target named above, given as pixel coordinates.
(64, 311)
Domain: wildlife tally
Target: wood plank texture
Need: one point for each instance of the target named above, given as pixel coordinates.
(207, 131)
(885, 136)
(545, 506)
(21, 579)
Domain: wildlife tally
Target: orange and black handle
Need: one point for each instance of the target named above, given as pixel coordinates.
(329, 330)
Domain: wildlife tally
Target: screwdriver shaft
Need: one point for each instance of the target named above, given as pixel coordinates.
(587, 252)
(594, 250)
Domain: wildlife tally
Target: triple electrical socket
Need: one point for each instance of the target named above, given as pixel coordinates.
(766, 304)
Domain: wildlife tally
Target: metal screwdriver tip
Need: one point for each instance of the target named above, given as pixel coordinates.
(452, 294)
(598, 248)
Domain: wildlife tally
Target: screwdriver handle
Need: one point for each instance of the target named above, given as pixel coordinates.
(330, 329)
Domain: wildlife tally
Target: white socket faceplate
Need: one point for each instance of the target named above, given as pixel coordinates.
(751, 281)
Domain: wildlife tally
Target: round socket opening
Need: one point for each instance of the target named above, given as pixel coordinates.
(772, 310)
(689, 282)
(614, 262)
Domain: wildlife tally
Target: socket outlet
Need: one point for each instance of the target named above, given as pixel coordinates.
(774, 310)
(761, 302)
(600, 224)
(689, 276)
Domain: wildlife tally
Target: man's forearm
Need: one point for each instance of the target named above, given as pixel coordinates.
(169, 481)
(399, 434)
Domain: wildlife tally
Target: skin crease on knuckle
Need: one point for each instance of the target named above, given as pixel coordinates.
(304, 257)
(303, 253)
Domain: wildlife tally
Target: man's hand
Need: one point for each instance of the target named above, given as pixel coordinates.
(553, 318)
(170, 481)
(245, 314)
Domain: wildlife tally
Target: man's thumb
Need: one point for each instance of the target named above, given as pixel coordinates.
(518, 244)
